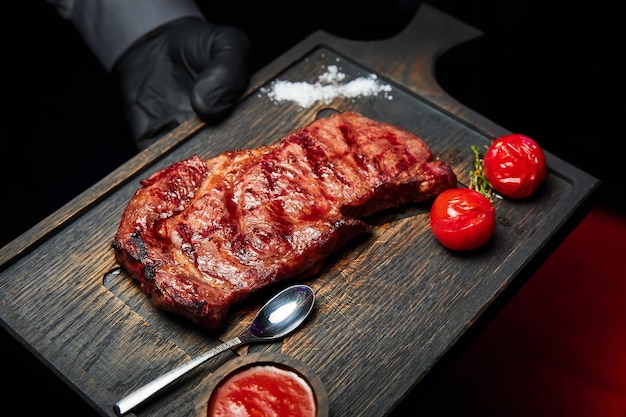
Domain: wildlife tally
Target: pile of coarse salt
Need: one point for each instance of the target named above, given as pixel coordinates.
(328, 86)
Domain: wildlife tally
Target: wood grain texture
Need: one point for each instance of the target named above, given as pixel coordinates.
(389, 307)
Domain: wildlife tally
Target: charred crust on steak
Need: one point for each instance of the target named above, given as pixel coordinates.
(201, 236)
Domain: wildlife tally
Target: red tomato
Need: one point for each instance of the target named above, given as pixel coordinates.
(515, 165)
(462, 219)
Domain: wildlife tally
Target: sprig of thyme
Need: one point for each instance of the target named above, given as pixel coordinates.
(478, 181)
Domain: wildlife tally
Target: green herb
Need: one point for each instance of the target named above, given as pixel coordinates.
(478, 181)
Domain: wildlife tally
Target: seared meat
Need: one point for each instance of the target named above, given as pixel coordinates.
(201, 236)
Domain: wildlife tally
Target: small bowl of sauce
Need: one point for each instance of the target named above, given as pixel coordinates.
(266, 384)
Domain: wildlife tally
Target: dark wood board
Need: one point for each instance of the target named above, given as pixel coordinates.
(389, 307)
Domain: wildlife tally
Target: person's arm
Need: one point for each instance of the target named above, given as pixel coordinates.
(109, 27)
(168, 61)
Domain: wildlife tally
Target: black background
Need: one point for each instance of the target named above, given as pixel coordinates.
(554, 73)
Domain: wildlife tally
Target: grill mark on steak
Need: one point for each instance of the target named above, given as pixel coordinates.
(201, 236)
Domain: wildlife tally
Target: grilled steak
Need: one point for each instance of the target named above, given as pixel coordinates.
(200, 236)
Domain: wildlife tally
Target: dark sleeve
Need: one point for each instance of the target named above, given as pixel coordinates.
(110, 26)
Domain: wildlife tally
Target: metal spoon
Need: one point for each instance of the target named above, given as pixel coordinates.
(281, 315)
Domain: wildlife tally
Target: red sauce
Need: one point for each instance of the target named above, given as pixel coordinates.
(263, 391)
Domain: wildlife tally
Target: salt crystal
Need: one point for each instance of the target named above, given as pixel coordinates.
(327, 88)
(331, 75)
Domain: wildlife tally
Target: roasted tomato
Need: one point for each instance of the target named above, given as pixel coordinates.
(462, 219)
(515, 165)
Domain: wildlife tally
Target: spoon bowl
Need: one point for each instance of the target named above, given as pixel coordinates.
(279, 316)
(283, 313)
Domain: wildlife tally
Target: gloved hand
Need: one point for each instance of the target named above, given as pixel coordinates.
(184, 67)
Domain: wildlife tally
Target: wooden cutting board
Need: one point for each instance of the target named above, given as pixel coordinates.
(389, 307)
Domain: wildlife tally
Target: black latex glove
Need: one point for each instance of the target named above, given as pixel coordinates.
(184, 67)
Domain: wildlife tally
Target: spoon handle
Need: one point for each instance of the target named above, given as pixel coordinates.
(145, 392)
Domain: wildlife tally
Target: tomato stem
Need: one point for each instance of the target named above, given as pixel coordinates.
(478, 181)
